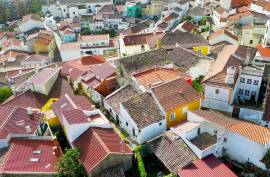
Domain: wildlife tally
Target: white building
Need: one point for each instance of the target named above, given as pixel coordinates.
(223, 35)
(44, 80)
(241, 141)
(98, 45)
(248, 84)
(30, 22)
(260, 6)
(137, 119)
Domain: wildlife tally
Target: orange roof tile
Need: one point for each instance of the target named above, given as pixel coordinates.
(264, 51)
(158, 75)
(251, 131)
(175, 93)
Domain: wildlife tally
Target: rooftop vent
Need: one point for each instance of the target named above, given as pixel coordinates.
(34, 159)
(28, 129)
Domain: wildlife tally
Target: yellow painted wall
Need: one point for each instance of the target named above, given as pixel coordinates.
(180, 116)
(204, 49)
(40, 48)
(52, 121)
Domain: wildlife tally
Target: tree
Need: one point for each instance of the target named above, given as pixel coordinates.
(54, 53)
(5, 93)
(85, 31)
(68, 164)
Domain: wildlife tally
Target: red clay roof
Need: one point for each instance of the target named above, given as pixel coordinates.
(209, 166)
(14, 120)
(96, 144)
(71, 102)
(251, 131)
(175, 93)
(25, 100)
(264, 51)
(21, 151)
(158, 75)
(188, 26)
(92, 60)
(44, 75)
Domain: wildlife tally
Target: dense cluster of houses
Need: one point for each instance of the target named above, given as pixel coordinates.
(188, 81)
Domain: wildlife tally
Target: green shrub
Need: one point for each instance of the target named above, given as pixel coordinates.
(138, 155)
(5, 93)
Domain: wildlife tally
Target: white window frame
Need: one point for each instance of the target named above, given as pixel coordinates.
(172, 116)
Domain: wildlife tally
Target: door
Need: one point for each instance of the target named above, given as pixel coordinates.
(235, 112)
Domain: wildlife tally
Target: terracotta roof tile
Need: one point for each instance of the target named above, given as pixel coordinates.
(251, 131)
(71, 102)
(172, 151)
(248, 130)
(143, 110)
(158, 75)
(263, 51)
(175, 93)
(14, 120)
(96, 144)
(44, 75)
(209, 166)
(121, 95)
(21, 151)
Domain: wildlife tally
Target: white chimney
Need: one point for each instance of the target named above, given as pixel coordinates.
(29, 111)
(231, 70)
(28, 129)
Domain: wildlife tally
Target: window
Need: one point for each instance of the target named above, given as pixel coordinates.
(247, 92)
(160, 123)
(251, 42)
(242, 80)
(217, 91)
(249, 81)
(199, 51)
(185, 110)
(255, 82)
(240, 91)
(225, 140)
(127, 124)
(172, 116)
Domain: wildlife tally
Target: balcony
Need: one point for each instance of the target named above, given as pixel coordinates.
(201, 139)
(203, 144)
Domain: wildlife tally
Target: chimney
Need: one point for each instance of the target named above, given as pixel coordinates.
(56, 151)
(231, 70)
(177, 44)
(28, 129)
(30, 111)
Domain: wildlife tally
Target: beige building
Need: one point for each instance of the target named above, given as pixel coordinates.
(252, 35)
(154, 8)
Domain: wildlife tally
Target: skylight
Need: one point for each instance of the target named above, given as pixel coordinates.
(37, 152)
(34, 159)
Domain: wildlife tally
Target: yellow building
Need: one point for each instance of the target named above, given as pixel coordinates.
(176, 98)
(41, 45)
(204, 50)
(154, 8)
(49, 115)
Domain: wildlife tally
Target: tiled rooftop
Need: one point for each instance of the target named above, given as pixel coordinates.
(174, 93)
(31, 156)
(96, 144)
(143, 110)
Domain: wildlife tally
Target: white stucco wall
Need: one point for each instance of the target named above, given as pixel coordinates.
(243, 150)
(147, 133)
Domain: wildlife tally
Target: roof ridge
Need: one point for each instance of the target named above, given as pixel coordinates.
(101, 142)
(71, 101)
(9, 116)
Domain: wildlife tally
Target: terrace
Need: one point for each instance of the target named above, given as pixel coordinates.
(201, 139)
